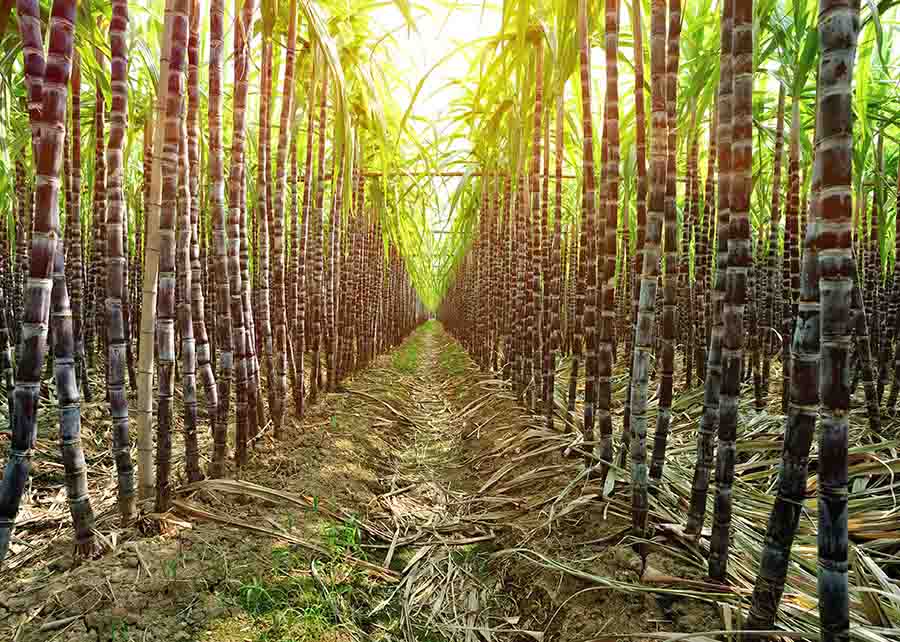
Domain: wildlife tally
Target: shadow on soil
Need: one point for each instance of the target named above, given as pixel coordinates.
(416, 505)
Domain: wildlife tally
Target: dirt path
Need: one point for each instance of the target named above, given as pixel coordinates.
(420, 503)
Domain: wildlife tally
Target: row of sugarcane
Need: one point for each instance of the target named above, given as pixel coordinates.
(554, 290)
(326, 288)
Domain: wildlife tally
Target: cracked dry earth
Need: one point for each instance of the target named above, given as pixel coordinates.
(420, 502)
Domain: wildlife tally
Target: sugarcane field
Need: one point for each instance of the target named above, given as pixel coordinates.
(449, 320)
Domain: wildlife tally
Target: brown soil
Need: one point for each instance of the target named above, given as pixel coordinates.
(433, 464)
